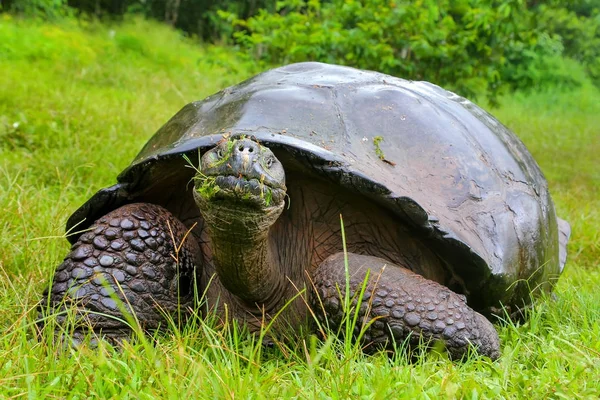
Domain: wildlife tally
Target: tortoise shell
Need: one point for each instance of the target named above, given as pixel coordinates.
(444, 167)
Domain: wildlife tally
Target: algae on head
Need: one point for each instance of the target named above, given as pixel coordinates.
(265, 192)
(206, 186)
(223, 157)
(267, 195)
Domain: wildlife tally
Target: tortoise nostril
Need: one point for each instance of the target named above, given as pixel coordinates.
(246, 148)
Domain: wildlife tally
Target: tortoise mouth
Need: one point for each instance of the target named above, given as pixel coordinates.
(239, 190)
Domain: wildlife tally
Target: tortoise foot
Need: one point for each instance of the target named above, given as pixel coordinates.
(134, 264)
(403, 308)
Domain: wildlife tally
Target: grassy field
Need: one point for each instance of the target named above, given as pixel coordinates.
(78, 100)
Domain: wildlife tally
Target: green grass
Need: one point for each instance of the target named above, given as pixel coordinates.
(78, 100)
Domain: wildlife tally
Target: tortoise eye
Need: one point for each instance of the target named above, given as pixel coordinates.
(269, 162)
(220, 153)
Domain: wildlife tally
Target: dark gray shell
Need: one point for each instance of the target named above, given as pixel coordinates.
(459, 177)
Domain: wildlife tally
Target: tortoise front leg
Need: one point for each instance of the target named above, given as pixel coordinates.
(401, 304)
(133, 260)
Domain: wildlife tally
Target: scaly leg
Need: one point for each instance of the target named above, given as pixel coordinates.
(134, 259)
(403, 305)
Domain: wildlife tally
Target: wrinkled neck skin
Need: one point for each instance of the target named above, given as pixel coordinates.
(242, 254)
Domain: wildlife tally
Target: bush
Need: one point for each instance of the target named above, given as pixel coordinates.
(45, 9)
(469, 46)
(197, 18)
(577, 25)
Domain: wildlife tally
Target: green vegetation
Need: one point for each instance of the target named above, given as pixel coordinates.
(206, 187)
(377, 144)
(266, 193)
(470, 46)
(79, 99)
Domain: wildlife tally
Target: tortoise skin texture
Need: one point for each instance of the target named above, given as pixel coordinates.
(455, 189)
(401, 306)
(127, 260)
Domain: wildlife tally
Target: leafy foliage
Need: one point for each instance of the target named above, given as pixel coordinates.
(470, 46)
(197, 18)
(45, 9)
(577, 26)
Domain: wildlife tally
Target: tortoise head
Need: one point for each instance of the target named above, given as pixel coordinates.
(240, 177)
(240, 191)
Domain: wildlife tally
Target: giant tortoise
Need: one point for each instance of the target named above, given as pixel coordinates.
(312, 189)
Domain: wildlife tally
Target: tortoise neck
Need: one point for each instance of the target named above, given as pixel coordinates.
(243, 257)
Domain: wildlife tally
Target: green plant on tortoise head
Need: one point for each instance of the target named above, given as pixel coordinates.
(226, 144)
(207, 186)
(224, 153)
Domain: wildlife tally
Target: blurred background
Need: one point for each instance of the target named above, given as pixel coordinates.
(473, 47)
